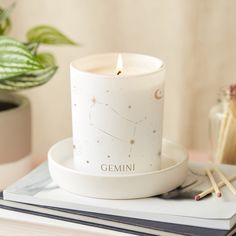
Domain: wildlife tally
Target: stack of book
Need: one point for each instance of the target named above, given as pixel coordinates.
(37, 199)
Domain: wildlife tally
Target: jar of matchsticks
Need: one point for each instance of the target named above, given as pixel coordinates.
(222, 127)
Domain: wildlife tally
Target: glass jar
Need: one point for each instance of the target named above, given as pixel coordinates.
(222, 127)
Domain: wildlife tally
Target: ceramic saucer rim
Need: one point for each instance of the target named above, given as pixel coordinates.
(169, 168)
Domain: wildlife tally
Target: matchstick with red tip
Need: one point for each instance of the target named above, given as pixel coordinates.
(213, 183)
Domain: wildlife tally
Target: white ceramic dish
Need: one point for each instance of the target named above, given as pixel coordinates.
(172, 174)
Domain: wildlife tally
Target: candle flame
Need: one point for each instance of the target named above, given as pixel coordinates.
(119, 65)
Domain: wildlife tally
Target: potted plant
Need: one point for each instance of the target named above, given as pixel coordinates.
(22, 66)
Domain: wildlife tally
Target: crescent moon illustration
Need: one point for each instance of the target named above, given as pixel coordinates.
(158, 94)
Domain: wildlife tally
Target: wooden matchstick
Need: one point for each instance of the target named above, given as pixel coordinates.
(211, 189)
(213, 183)
(224, 179)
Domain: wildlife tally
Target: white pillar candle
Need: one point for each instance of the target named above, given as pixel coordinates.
(117, 119)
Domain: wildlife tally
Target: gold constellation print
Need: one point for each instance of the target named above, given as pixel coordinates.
(130, 142)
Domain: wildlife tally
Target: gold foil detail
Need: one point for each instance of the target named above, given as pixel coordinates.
(158, 94)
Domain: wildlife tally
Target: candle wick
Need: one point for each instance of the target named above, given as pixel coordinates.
(119, 72)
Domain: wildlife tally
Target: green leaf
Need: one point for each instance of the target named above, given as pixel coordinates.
(20, 68)
(5, 23)
(33, 47)
(47, 35)
(5, 26)
(28, 80)
(16, 59)
(46, 59)
(5, 13)
(14, 46)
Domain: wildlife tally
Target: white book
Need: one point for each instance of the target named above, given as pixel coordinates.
(212, 212)
(20, 224)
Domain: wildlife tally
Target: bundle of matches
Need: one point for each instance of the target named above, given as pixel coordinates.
(226, 144)
(216, 186)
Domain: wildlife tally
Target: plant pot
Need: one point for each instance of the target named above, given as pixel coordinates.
(15, 138)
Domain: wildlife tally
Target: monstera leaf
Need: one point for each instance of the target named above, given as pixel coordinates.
(47, 35)
(20, 68)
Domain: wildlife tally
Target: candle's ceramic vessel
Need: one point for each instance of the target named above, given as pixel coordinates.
(117, 119)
